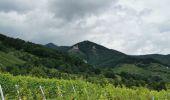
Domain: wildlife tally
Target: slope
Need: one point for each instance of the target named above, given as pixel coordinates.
(41, 61)
(96, 54)
(101, 56)
(21, 57)
(165, 59)
(7, 59)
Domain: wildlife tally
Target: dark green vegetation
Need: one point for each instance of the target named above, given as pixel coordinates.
(85, 60)
(60, 48)
(162, 58)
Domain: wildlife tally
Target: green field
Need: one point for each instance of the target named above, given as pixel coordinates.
(6, 59)
(72, 89)
(130, 69)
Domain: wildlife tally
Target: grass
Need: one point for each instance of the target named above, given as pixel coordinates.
(130, 69)
(6, 59)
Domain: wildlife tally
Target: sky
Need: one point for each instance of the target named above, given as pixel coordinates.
(134, 27)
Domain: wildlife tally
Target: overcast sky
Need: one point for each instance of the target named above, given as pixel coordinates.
(130, 26)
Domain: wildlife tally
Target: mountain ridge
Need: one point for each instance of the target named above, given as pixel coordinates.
(85, 60)
(89, 51)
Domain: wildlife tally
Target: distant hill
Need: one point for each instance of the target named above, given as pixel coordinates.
(85, 60)
(165, 59)
(96, 54)
(101, 56)
(51, 45)
(60, 48)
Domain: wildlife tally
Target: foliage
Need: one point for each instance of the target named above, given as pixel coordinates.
(19, 57)
(72, 89)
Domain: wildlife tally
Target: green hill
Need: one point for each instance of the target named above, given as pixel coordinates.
(162, 58)
(95, 54)
(85, 60)
(101, 56)
(113, 63)
(60, 48)
(28, 58)
(7, 59)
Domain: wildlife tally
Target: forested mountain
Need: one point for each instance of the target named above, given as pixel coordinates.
(60, 48)
(101, 56)
(85, 60)
(96, 54)
(51, 45)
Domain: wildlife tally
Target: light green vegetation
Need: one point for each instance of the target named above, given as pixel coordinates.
(72, 89)
(130, 69)
(7, 59)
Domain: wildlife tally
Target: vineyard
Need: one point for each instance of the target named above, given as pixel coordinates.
(30, 88)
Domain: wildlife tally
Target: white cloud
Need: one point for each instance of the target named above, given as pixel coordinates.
(131, 26)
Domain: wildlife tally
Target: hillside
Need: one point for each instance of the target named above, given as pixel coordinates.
(96, 54)
(51, 45)
(60, 48)
(101, 56)
(7, 59)
(26, 57)
(85, 60)
(126, 66)
(165, 59)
